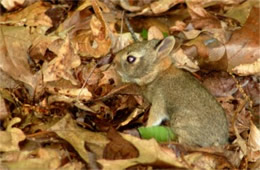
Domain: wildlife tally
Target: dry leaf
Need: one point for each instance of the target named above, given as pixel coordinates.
(11, 4)
(14, 43)
(76, 93)
(33, 15)
(243, 47)
(97, 43)
(43, 159)
(132, 116)
(161, 6)
(123, 40)
(149, 153)
(154, 33)
(11, 137)
(248, 69)
(254, 143)
(3, 109)
(6, 81)
(181, 60)
(67, 129)
(62, 65)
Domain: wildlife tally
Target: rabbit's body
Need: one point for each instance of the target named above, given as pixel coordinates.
(195, 115)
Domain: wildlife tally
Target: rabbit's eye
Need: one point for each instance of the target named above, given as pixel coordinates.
(130, 59)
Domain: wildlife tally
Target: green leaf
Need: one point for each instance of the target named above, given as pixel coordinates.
(144, 34)
(165, 34)
(160, 133)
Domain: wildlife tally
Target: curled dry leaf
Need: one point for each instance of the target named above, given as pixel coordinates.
(101, 44)
(11, 137)
(97, 42)
(132, 116)
(248, 69)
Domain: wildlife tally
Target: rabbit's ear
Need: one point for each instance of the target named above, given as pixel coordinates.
(165, 47)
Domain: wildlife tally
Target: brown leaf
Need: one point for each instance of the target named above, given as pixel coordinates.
(3, 109)
(243, 47)
(6, 81)
(101, 43)
(33, 15)
(67, 129)
(62, 65)
(118, 148)
(14, 42)
(149, 153)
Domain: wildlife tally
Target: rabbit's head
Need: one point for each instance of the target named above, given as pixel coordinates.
(141, 62)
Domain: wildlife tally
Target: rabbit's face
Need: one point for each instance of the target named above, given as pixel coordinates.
(136, 60)
(141, 62)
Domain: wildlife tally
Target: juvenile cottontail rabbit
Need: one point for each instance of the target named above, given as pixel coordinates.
(195, 115)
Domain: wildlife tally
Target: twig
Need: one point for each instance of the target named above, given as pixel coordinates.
(131, 30)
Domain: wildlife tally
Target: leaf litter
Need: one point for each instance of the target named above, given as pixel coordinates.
(63, 106)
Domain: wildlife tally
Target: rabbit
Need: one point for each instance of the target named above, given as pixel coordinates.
(175, 95)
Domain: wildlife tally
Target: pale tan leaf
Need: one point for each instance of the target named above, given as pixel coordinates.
(161, 6)
(254, 143)
(42, 158)
(11, 4)
(11, 137)
(80, 93)
(248, 69)
(154, 33)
